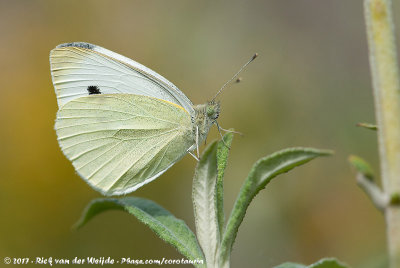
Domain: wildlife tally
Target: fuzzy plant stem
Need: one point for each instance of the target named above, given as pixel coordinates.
(385, 76)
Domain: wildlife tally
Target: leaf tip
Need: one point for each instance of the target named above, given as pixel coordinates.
(327, 152)
(76, 226)
(361, 166)
(367, 126)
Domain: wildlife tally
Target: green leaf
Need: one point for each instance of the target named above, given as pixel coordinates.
(368, 126)
(204, 203)
(95, 207)
(260, 175)
(172, 230)
(208, 196)
(222, 161)
(362, 166)
(324, 263)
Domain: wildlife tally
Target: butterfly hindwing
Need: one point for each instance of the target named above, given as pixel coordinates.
(77, 67)
(118, 142)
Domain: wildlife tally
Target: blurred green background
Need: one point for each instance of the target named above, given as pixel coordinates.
(309, 87)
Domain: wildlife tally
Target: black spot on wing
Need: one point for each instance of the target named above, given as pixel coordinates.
(78, 44)
(93, 90)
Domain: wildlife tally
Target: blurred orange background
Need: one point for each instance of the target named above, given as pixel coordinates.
(309, 87)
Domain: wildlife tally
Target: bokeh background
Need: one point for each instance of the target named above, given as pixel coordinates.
(309, 87)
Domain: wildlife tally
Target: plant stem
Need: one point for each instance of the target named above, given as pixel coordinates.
(373, 192)
(385, 76)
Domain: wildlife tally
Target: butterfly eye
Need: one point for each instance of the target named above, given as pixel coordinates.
(212, 112)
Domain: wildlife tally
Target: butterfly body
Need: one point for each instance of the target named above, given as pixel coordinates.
(121, 124)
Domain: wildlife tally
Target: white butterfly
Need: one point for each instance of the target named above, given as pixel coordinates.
(121, 124)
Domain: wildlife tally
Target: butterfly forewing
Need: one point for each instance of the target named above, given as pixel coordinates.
(77, 66)
(118, 142)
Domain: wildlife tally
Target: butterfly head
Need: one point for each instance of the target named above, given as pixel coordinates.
(206, 113)
(204, 117)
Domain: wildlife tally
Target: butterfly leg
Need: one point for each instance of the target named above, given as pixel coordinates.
(194, 156)
(231, 131)
(197, 141)
(222, 137)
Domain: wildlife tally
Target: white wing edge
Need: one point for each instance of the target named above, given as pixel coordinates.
(139, 67)
(129, 190)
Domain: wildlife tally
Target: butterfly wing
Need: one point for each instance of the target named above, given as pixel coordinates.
(77, 66)
(119, 142)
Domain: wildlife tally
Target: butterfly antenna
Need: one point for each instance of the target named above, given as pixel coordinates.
(233, 77)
